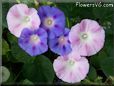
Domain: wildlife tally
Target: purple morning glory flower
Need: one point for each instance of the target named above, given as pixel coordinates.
(52, 19)
(60, 44)
(34, 42)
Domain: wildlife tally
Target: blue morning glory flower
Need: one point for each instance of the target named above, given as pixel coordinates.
(52, 19)
(34, 42)
(60, 44)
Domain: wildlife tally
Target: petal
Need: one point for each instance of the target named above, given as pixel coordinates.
(52, 35)
(89, 25)
(41, 48)
(44, 11)
(59, 66)
(22, 9)
(26, 33)
(57, 13)
(74, 54)
(82, 49)
(41, 33)
(35, 19)
(18, 10)
(75, 73)
(15, 18)
(58, 48)
(97, 43)
(95, 40)
(25, 45)
(81, 68)
(74, 35)
(54, 45)
(66, 32)
(65, 49)
(56, 31)
(58, 17)
(33, 49)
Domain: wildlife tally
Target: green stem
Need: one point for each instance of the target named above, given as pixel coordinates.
(68, 24)
(18, 1)
(108, 16)
(17, 76)
(36, 3)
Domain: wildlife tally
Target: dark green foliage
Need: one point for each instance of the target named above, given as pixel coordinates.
(38, 70)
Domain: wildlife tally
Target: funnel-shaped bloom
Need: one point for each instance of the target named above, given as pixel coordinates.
(60, 44)
(87, 37)
(34, 42)
(52, 19)
(20, 16)
(71, 68)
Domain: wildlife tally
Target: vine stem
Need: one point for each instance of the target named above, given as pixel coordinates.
(17, 75)
(36, 2)
(68, 24)
(18, 1)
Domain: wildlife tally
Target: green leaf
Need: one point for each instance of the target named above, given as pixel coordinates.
(107, 66)
(19, 53)
(5, 8)
(26, 82)
(4, 13)
(11, 38)
(92, 75)
(109, 46)
(96, 59)
(30, 3)
(86, 81)
(106, 13)
(5, 47)
(98, 80)
(39, 70)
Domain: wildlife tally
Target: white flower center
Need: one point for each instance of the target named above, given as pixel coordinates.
(26, 19)
(62, 40)
(34, 39)
(84, 36)
(70, 63)
(48, 22)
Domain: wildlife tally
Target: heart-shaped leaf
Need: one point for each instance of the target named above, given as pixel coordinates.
(39, 70)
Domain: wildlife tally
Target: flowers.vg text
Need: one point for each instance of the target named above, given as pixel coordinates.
(97, 4)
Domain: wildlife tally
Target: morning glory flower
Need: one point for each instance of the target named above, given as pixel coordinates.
(20, 16)
(52, 19)
(60, 44)
(87, 37)
(34, 42)
(71, 68)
